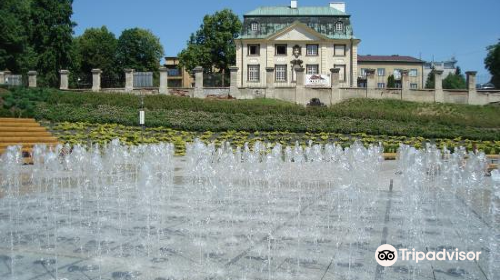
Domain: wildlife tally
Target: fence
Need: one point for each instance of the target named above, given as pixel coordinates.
(143, 79)
(15, 80)
(82, 81)
(113, 80)
(216, 79)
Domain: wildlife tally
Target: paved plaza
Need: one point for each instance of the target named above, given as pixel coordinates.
(284, 230)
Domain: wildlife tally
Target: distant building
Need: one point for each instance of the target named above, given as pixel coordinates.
(282, 39)
(178, 77)
(386, 65)
(448, 67)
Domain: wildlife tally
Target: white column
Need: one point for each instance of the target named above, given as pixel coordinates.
(64, 79)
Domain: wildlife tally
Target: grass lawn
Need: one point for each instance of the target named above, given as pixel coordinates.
(370, 117)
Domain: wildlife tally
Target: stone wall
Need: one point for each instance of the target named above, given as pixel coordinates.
(216, 92)
(301, 94)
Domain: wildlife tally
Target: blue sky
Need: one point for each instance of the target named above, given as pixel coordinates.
(428, 29)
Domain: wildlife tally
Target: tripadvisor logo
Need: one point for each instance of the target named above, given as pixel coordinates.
(387, 255)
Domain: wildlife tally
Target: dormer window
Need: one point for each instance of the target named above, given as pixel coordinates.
(254, 26)
(339, 26)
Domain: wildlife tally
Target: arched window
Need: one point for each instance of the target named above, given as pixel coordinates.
(255, 26)
(339, 26)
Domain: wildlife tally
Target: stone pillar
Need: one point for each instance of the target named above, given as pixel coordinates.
(300, 92)
(335, 77)
(234, 91)
(438, 86)
(270, 82)
(163, 80)
(198, 82)
(129, 80)
(405, 83)
(2, 78)
(64, 79)
(370, 79)
(474, 98)
(32, 79)
(6, 76)
(96, 80)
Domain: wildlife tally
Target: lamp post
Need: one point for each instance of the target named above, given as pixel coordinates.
(142, 117)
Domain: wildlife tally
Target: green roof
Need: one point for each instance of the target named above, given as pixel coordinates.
(300, 11)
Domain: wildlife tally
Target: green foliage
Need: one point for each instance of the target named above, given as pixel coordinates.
(51, 38)
(391, 81)
(22, 102)
(492, 63)
(15, 52)
(139, 49)
(431, 81)
(96, 48)
(212, 46)
(455, 81)
(379, 117)
(85, 133)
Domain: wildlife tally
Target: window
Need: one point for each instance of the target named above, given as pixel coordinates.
(312, 69)
(413, 72)
(280, 71)
(381, 85)
(312, 50)
(254, 50)
(253, 73)
(427, 66)
(381, 72)
(449, 65)
(339, 26)
(342, 73)
(255, 26)
(281, 49)
(413, 86)
(397, 74)
(363, 73)
(339, 50)
(174, 72)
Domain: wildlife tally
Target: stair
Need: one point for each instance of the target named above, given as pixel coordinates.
(25, 132)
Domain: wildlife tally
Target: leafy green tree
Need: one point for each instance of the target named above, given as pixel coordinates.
(431, 81)
(15, 29)
(455, 81)
(139, 49)
(213, 46)
(96, 48)
(52, 38)
(492, 63)
(391, 81)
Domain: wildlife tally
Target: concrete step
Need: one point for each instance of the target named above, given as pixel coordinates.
(17, 120)
(25, 134)
(22, 129)
(29, 145)
(19, 124)
(28, 139)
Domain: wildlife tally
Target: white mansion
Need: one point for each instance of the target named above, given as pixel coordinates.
(281, 39)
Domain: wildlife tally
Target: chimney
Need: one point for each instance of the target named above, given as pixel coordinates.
(293, 4)
(338, 6)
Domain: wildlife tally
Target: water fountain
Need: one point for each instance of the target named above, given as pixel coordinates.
(260, 212)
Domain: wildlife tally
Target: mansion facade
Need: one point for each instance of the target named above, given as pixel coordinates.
(283, 39)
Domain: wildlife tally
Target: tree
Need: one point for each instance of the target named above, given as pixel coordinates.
(139, 49)
(492, 63)
(213, 46)
(455, 81)
(96, 48)
(51, 38)
(15, 51)
(391, 82)
(431, 81)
